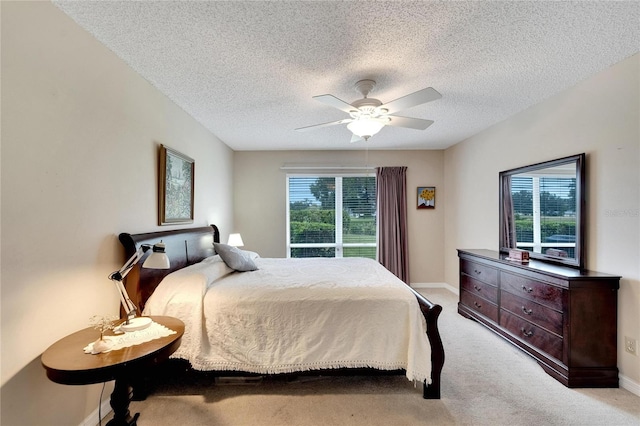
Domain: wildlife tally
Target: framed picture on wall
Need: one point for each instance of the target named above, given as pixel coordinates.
(426, 197)
(175, 187)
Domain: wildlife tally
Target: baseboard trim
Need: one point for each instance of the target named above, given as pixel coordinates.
(630, 385)
(449, 287)
(94, 418)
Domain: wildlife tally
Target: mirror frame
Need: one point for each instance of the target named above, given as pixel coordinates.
(578, 261)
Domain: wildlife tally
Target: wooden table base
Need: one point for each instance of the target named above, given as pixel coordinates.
(120, 399)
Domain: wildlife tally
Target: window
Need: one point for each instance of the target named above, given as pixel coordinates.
(331, 216)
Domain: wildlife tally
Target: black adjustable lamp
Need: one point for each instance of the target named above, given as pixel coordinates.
(156, 260)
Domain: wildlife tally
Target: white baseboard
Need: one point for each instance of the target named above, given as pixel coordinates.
(630, 385)
(449, 287)
(94, 418)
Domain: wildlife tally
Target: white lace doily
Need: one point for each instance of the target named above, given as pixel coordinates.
(119, 341)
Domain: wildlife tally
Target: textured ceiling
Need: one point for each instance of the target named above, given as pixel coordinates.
(248, 70)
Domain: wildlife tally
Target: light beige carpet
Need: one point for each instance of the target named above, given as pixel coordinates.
(486, 381)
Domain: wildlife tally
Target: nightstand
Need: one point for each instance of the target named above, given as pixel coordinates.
(66, 363)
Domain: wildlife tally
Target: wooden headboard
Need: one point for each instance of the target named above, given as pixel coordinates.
(184, 247)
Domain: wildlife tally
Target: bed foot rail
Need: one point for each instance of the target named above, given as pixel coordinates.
(431, 391)
(431, 313)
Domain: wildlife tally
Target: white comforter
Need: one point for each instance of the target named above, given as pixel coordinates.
(295, 315)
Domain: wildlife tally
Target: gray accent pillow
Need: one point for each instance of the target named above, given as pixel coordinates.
(235, 258)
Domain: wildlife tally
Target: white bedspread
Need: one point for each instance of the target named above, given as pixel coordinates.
(295, 315)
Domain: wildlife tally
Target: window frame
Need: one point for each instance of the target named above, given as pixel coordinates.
(339, 244)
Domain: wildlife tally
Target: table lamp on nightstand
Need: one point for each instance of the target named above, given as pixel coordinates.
(156, 260)
(235, 240)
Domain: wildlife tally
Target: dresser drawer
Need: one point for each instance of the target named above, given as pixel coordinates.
(479, 288)
(480, 272)
(533, 312)
(536, 291)
(478, 304)
(532, 334)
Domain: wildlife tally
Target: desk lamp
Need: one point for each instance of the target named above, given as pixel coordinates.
(157, 260)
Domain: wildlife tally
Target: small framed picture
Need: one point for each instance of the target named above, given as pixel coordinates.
(175, 188)
(426, 197)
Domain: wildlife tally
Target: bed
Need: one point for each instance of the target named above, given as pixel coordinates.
(317, 326)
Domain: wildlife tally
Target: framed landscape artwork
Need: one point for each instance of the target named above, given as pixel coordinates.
(175, 187)
(426, 197)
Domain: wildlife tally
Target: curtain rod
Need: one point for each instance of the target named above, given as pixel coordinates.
(328, 168)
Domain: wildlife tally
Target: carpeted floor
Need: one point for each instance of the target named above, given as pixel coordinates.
(486, 381)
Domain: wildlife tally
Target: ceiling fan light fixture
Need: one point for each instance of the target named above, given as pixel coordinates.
(369, 115)
(365, 127)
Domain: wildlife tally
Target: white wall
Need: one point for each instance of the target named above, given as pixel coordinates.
(80, 134)
(260, 200)
(600, 117)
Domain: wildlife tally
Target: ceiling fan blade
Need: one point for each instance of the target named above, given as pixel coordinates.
(355, 138)
(335, 102)
(416, 98)
(316, 126)
(412, 123)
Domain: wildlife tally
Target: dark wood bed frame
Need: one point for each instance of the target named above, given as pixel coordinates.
(188, 246)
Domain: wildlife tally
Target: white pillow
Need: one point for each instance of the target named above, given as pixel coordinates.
(252, 254)
(235, 258)
(212, 259)
(212, 267)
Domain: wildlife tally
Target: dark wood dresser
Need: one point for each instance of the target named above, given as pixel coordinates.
(565, 318)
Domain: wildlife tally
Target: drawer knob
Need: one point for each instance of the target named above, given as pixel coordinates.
(477, 305)
(528, 290)
(477, 272)
(526, 333)
(477, 288)
(527, 311)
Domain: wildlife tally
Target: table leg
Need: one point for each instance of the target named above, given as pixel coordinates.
(120, 404)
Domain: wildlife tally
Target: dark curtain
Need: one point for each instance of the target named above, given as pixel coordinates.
(508, 221)
(393, 243)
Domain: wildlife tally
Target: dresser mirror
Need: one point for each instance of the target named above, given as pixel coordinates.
(542, 210)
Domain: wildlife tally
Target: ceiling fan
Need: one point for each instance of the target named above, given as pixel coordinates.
(369, 115)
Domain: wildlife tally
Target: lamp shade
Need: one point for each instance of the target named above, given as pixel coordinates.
(365, 127)
(158, 259)
(235, 240)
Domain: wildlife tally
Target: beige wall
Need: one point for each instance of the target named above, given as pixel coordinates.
(600, 117)
(260, 200)
(80, 132)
